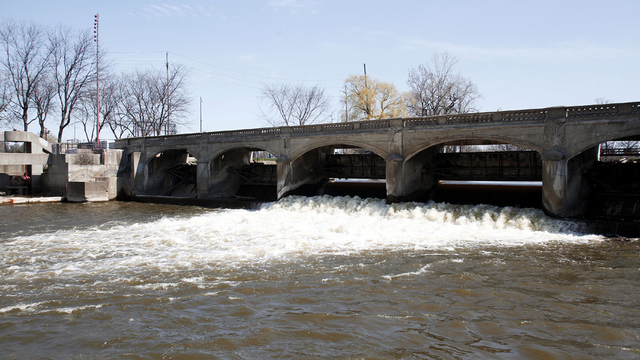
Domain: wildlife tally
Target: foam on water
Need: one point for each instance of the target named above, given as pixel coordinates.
(287, 230)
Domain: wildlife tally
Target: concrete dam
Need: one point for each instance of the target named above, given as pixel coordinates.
(559, 147)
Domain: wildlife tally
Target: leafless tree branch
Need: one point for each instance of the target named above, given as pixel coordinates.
(290, 105)
(437, 90)
(25, 60)
(144, 108)
(74, 70)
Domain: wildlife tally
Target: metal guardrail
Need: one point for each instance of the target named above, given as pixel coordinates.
(572, 113)
(619, 152)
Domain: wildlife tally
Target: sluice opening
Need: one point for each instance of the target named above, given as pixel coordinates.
(486, 172)
(353, 172)
(341, 170)
(256, 176)
(614, 181)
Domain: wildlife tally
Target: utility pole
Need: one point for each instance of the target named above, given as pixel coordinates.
(168, 98)
(346, 105)
(200, 114)
(95, 38)
(365, 76)
(366, 92)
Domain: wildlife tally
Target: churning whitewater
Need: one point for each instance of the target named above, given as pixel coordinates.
(288, 230)
(321, 277)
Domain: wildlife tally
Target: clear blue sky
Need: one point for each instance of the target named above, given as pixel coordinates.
(521, 54)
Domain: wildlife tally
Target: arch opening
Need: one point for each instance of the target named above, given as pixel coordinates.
(172, 173)
(482, 171)
(244, 174)
(339, 170)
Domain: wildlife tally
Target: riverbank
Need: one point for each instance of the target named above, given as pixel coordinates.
(9, 200)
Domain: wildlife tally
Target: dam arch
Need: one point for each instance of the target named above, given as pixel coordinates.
(231, 171)
(463, 159)
(311, 171)
(171, 172)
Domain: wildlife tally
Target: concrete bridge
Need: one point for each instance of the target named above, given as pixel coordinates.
(404, 152)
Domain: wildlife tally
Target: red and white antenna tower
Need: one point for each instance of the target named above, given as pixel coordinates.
(95, 38)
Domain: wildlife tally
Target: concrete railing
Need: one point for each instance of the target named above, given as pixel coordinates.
(573, 113)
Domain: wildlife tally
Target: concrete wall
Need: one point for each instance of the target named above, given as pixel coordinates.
(32, 161)
(86, 176)
(80, 191)
(57, 175)
(63, 169)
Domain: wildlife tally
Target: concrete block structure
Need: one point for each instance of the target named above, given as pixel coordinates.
(86, 176)
(82, 191)
(32, 161)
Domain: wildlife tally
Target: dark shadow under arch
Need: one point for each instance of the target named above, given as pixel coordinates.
(173, 173)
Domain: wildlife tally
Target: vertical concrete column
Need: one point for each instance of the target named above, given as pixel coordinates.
(135, 160)
(139, 172)
(283, 164)
(554, 183)
(395, 178)
(565, 190)
(283, 176)
(554, 162)
(203, 179)
(126, 180)
(407, 180)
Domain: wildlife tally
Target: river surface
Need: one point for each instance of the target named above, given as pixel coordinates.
(312, 278)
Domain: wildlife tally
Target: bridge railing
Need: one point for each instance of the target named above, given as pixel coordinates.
(572, 113)
(603, 110)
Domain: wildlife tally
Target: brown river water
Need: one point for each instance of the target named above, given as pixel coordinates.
(312, 278)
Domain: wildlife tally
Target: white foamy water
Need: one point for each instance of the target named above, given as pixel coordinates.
(288, 230)
(323, 277)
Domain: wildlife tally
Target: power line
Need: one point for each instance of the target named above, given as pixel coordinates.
(254, 75)
(218, 76)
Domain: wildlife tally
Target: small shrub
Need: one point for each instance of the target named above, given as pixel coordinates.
(85, 158)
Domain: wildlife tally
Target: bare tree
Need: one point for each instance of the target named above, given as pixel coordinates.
(74, 70)
(140, 106)
(113, 107)
(145, 108)
(175, 105)
(437, 90)
(292, 105)
(5, 94)
(109, 101)
(43, 103)
(25, 59)
(370, 98)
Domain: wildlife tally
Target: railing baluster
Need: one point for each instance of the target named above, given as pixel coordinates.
(531, 115)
